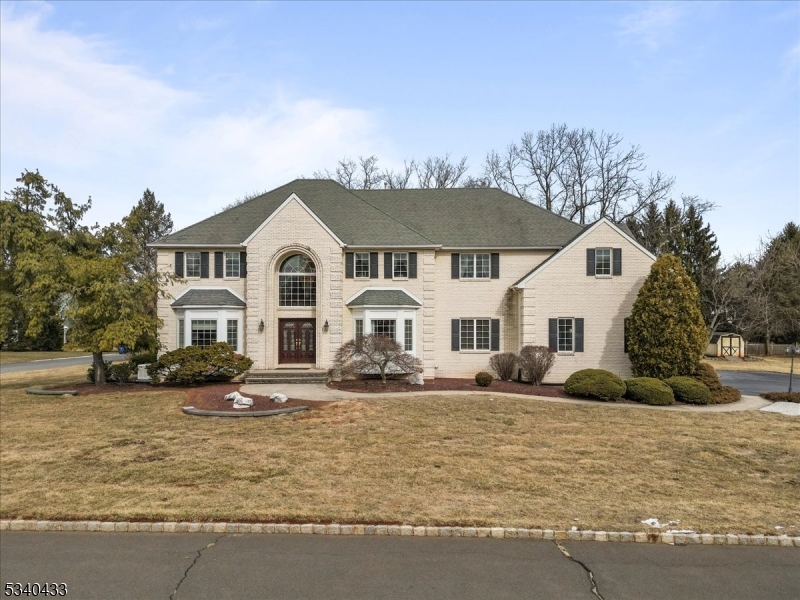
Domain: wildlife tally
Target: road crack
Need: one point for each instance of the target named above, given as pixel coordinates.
(589, 572)
(194, 562)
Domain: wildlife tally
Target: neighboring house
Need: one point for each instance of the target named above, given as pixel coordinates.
(454, 275)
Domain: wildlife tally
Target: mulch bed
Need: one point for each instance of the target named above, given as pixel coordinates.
(212, 397)
(448, 384)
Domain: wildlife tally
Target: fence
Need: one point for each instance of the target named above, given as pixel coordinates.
(753, 349)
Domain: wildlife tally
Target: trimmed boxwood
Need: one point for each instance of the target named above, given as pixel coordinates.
(782, 396)
(689, 389)
(484, 379)
(595, 383)
(706, 375)
(649, 390)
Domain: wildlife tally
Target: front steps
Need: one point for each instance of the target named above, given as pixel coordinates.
(287, 375)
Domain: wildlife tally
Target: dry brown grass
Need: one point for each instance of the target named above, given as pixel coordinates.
(421, 460)
(7, 357)
(769, 364)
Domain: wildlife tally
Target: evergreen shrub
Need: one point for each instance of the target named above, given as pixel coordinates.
(595, 383)
(689, 389)
(484, 379)
(194, 365)
(649, 390)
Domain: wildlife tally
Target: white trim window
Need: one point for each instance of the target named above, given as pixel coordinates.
(384, 327)
(359, 330)
(297, 282)
(232, 265)
(233, 334)
(602, 261)
(181, 333)
(408, 337)
(204, 332)
(361, 262)
(475, 266)
(476, 334)
(566, 335)
(192, 265)
(400, 265)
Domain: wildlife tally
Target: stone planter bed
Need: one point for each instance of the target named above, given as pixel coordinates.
(212, 397)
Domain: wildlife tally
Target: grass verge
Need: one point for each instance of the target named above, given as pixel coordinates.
(7, 357)
(436, 460)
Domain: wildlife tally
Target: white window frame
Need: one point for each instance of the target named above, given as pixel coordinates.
(199, 265)
(474, 335)
(385, 320)
(220, 315)
(356, 256)
(597, 252)
(228, 333)
(470, 261)
(395, 260)
(369, 314)
(215, 329)
(181, 332)
(570, 347)
(236, 259)
(408, 335)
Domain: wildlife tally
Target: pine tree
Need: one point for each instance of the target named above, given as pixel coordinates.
(666, 332)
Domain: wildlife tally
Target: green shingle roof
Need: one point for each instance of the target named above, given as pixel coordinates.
(383, 298)
(480, 217)
(206, 297)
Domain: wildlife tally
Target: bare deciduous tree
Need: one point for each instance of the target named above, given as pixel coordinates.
(440, 172)
(374, 354)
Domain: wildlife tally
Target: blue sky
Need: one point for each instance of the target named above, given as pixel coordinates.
(205, 102)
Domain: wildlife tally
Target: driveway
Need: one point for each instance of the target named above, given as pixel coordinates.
(753, 384)
(219, 566)
(55, 363)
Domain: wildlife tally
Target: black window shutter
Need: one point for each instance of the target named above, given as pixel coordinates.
(625, 335)
(349, 265)
(495, 335)
(455, 266)
(412, 265)
(373, 265)
(553, 334)
(590, 262)
(219, 267)
(242, 264)
(617, 253)
(179, 264)
(495, 265)
(387, 265)
(455, 335)
(204, 265)
(578, 335)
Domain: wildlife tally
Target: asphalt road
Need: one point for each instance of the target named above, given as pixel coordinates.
(42, 365)
(753, 384)
(213, 566)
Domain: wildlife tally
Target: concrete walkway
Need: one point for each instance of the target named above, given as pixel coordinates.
(319, 391)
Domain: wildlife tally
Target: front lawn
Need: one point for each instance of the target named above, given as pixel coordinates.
(769, 364)
(478, 460)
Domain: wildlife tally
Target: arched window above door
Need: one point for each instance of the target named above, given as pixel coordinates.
(297, 282)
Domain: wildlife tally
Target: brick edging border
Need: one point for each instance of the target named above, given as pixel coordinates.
(708, 539)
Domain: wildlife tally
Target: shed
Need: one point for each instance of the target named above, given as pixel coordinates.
(726, 344)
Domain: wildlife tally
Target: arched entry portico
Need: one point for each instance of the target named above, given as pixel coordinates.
(296, 310)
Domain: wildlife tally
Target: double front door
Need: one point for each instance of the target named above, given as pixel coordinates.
(297, 340)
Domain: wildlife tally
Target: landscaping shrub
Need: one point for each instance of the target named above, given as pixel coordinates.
(484, 379)
(143, 358)
(649, 390)
(193, 365)
(504, 364)
(666, 331)
(119, 372)
(90, 371)
(595, 383)
(689, 389)
(706, 375)
(782, 396)
(536, 362)
(725, 395)
(374, 354)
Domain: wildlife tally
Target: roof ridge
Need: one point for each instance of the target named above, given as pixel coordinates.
(388, 215)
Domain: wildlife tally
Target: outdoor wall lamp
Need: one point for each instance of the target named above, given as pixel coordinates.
(261, 326)
(325, 327)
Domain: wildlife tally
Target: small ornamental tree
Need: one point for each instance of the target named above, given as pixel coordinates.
(373, 354)
(666, 331)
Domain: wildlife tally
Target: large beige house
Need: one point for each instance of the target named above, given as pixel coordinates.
(454, 275)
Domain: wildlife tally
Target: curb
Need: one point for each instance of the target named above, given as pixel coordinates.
(677, 539)
(191, 410)
(38, 392)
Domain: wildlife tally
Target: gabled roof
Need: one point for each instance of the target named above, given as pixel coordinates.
(464, 217)
(383, 297)
(216, 297)
(622, 229)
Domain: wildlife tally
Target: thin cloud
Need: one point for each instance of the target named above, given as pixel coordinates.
(651, 24)
(107, 129)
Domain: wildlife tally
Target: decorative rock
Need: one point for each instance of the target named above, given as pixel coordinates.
(239, 401)
(279, 398)
(416, 379)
